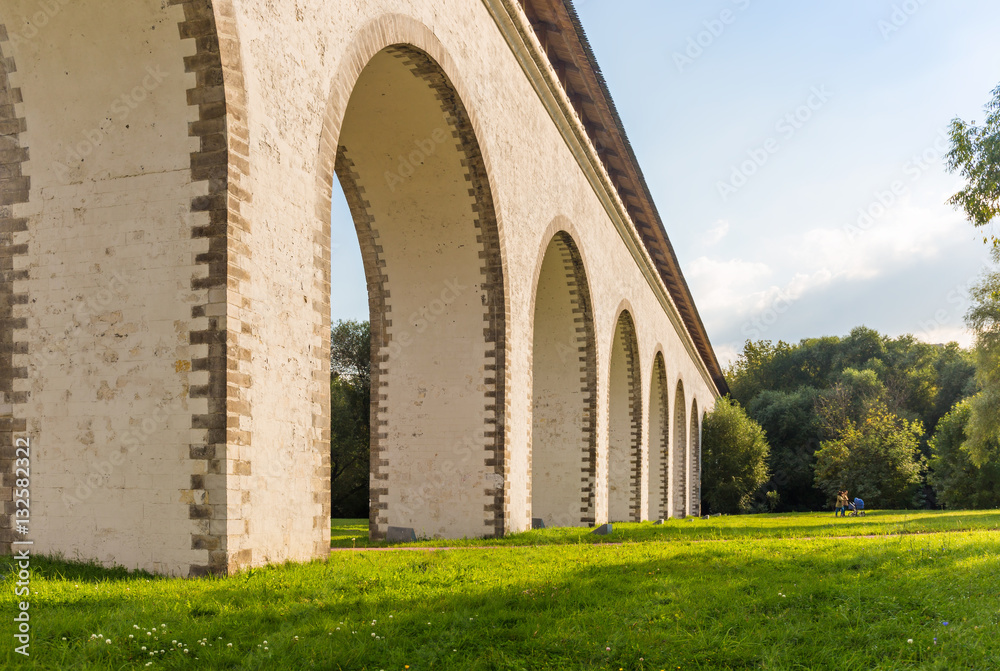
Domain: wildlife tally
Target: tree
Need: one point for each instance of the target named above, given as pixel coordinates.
(975, 154)
(983, 429)
(877, 458)
(957, 481)
(734, 458)
(350, 350)
(350, 411)
(793, 432)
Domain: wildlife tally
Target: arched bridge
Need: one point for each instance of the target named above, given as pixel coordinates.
(166, 173)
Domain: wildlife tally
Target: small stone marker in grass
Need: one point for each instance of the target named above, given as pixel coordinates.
(400, 535)
(537, 523)
(602, 530)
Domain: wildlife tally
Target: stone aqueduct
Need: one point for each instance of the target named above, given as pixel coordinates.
(166, 171)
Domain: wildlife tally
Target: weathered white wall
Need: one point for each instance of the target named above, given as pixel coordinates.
(109, 268)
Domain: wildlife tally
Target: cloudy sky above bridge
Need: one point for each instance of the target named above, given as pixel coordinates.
(794, 151)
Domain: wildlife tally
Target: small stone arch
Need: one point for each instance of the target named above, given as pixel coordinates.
(694, 467)
(659, 441)
(624, 424)
(563, 451)
(680, 474)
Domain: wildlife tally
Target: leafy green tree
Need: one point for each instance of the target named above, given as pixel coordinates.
(876, 458)
(350, 350)
(955, 372)
(734, 458)
(350, 412)
(983, 429)
(975, 154)
(793, 431)
(959, 483)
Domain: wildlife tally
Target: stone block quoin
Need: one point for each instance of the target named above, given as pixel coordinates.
(15, 189)
(223, 162)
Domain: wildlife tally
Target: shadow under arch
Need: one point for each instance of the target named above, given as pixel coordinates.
(624, 423)
(563, 454)
(659, 441)
(415, 179)
(680, 475)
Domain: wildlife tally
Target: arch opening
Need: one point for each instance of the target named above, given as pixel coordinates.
(563, 438)
(695, 463)
(415, 181)
(659, 443)
(624, 425)
(680, 453)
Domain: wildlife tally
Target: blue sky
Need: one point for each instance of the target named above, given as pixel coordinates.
(794, 151)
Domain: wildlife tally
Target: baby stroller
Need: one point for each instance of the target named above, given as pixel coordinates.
(857, 507)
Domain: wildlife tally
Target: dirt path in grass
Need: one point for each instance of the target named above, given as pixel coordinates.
(698, 540)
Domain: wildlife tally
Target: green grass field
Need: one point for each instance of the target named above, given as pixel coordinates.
(754, 592)
(354, 533)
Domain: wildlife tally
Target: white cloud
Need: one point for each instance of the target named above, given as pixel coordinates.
(749, 297)
(717, 232)
(946, 334)
(726, 353)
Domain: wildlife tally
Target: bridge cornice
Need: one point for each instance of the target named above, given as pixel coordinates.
(517, 29)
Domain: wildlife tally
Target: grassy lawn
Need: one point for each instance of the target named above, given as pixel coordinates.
(782, 592)
(354, 533)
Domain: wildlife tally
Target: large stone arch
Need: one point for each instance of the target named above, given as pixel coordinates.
(416, 182)
(680, 460)
(624, 423)
(659, 442)
(136, 123)
(694, 467)
(563, 451)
